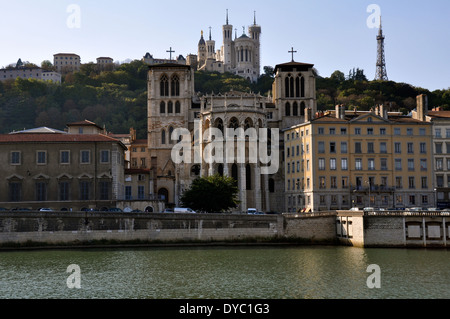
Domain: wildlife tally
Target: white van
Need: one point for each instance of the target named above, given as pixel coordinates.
(251, 211)
(184, 210)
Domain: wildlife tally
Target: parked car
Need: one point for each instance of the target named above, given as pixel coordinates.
(168, 210)
(184, 210)
(45, 209)
(251, 211)
(115, 209)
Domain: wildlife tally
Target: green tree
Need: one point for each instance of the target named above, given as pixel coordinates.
(211, 194)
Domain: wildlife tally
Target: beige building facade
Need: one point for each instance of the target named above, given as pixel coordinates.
(344, 159)
(66, 62)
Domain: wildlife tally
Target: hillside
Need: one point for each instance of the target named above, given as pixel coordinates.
(118, 99)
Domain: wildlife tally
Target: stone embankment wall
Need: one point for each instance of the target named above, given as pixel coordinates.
(68, 228)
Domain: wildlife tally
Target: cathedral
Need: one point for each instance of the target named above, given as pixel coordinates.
(240, 56)
(174, 105)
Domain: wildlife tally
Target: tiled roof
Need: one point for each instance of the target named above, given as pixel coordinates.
(440, 114)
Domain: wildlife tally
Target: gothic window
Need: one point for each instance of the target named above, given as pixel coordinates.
(297, 86)
(164, 86)
(291, 87)
(170, 107)
(295, 109)
(175, 86)
(177, 107)
(288, 109)
(170, 134)
(302, 109)
(302, 87)
(286, 86)
(248, 177)
(220, 169)
(219, 124)
(234, 123)
(234, 172)
(271, 185)
(248, 123)
(163, 137)
(162, 107)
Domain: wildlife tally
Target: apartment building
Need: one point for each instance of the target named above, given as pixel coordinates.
(66, 62)
(343, 159)
(29, 73)
(61, 170)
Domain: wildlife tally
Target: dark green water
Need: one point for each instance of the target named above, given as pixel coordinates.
(213, 273)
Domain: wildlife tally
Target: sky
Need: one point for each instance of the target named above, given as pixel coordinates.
(331, 34)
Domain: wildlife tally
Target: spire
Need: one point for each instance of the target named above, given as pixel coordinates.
(227, 16)
(254, 17)
(209, 33)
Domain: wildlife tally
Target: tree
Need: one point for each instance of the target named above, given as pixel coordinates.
(211, 194)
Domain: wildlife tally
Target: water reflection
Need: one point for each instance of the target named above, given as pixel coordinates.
(247, 273)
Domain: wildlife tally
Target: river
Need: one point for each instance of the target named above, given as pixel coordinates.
(300, 272)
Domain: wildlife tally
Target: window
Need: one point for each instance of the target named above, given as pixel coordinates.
(163, 137)
(410, 148)
(397, 131)
(322, 183)
(344, 164)
(170, 107)
(104, 190)
(332, 131)
(382, 131)
(398, 182)
(333, 182)
(437, 133)
(15, 191)
(321, 164)
(64, 157)
(332, 147)
(128, 195)
(344, 147)
(357, 147)
(343, 131)
(439, 180)
(411, 182)
(357, 131)
(104, 156)
(424, 182)
(164, 86)
(371, 164)
(84, 190)
(358, 164)
(370, 148)
(41, 191)
(398, 148)
(398, 164)
(447, 133)
(422, 131)
(383, 164)
(412, 199)
(409, 131)
(332, 164)
(162, 107)
(177, 107)
(345, 182)
(423, 164)
(64, 191)
(175, 86)
(424, 199)
(141, 192)
(410, 164)
(15, 158)
(439, 164)
(41, 157)
(321, 147)
(85, 157)
(369, 131)
(423, 148)
(383, 148)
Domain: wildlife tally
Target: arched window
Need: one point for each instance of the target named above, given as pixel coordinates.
(295, 109)
(163, 137)
(234, 172)
(219, 124)
(220, 169)
(302, 87)
(162, 107)
(286, 86)
(234, 123)
(297, 86)
(170, 134)
(271, 185)
(195, 170)
(164, 86)
(248, 177)
(177, 107)
(248, 123)
(291, 87)
(288, 109)
(302, 109)
(175, 86)
(170, 107)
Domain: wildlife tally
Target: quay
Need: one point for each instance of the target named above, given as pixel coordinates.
(359, 229)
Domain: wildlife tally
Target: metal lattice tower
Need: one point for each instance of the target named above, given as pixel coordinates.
(381, 73)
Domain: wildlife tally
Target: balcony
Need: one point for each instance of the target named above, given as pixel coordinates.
(374, 188)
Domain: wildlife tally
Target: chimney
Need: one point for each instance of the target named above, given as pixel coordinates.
(337, 111)
(342, 115)
(422, 107)
(383, 111)
(308, 116)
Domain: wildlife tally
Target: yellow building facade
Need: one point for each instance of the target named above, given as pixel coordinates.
(343, 159)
